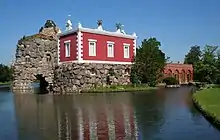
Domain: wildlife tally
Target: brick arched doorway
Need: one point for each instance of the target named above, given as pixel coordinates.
(176, 74)
(183, 76)
(189, 76)
(170, 73)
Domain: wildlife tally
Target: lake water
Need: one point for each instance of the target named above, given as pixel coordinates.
(165, 114)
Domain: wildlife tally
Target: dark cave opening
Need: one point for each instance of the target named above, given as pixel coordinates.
(43, 84)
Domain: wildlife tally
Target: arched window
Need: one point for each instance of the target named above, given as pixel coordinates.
(27, 58)
(48, 57)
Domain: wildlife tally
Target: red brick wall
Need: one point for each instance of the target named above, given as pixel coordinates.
(183, 72)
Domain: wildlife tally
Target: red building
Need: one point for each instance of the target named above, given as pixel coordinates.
(86, 45)
(182, 72)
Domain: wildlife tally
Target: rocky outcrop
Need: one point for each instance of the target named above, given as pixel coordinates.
(74, 77)
(51, 32)
(35, 55)
(50, 29)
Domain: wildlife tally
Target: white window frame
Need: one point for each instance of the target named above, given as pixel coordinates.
(110, 49)
(67, 48)
(92, 51)
(126, 55)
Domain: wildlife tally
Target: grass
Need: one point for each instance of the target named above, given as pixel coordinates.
(119, 88)
(209, 101)
(5, 83)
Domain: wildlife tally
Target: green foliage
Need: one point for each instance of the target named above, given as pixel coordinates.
(5, 73)
(170, 81)
(49, 23)
(193, 57)
(120, 88)
(148, 63)
(206, 63)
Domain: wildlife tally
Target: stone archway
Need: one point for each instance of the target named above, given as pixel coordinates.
(42, 83)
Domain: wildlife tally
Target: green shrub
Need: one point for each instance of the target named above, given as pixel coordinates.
(170, 81)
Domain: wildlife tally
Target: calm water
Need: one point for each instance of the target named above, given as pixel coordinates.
(165, 114)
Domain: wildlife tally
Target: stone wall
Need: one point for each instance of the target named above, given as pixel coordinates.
(74, 77)
(35, 55)
(52, 32)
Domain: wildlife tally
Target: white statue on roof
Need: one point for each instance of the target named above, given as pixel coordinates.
(119, 28)
(79, 25)
(99, 22)
(69, 24)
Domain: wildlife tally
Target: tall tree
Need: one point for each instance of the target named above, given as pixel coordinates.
(193, 56)
(205, 63)
(5, 73)
(208, 70)
(149, 62)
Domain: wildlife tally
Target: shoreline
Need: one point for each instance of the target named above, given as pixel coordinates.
(209, 115)
(5, 83)
(119, 89)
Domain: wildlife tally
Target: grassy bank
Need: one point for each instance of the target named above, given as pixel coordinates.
(118, 88)
(208, 102)
(5, 83)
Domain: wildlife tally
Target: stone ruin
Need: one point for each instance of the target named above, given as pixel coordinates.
(36, 59)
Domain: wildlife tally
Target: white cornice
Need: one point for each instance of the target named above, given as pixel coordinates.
(97, 31)
(99, 62)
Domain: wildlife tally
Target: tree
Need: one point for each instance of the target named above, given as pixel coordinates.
(193, 56)
(209, 71)
(205, 63)
(5, 73)
(148, 63)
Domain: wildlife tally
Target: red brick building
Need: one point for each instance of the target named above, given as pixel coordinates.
(182, 72)
(87, 45)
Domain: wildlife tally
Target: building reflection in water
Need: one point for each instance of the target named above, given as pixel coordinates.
(82, 117)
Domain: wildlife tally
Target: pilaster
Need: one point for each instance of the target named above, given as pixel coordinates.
(58, 51)
(79, 46)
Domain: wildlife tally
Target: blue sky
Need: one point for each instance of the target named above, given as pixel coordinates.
(177, 24)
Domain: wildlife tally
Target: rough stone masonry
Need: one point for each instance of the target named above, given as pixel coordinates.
(37, 55)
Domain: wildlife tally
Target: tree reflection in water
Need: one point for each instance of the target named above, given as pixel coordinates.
(149, 113)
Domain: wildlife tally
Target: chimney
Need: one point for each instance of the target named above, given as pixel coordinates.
(99, 22)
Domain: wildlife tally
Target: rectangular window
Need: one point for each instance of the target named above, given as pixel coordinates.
(67, 48)
(92, 48)
(126, 50)
(110, 50)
